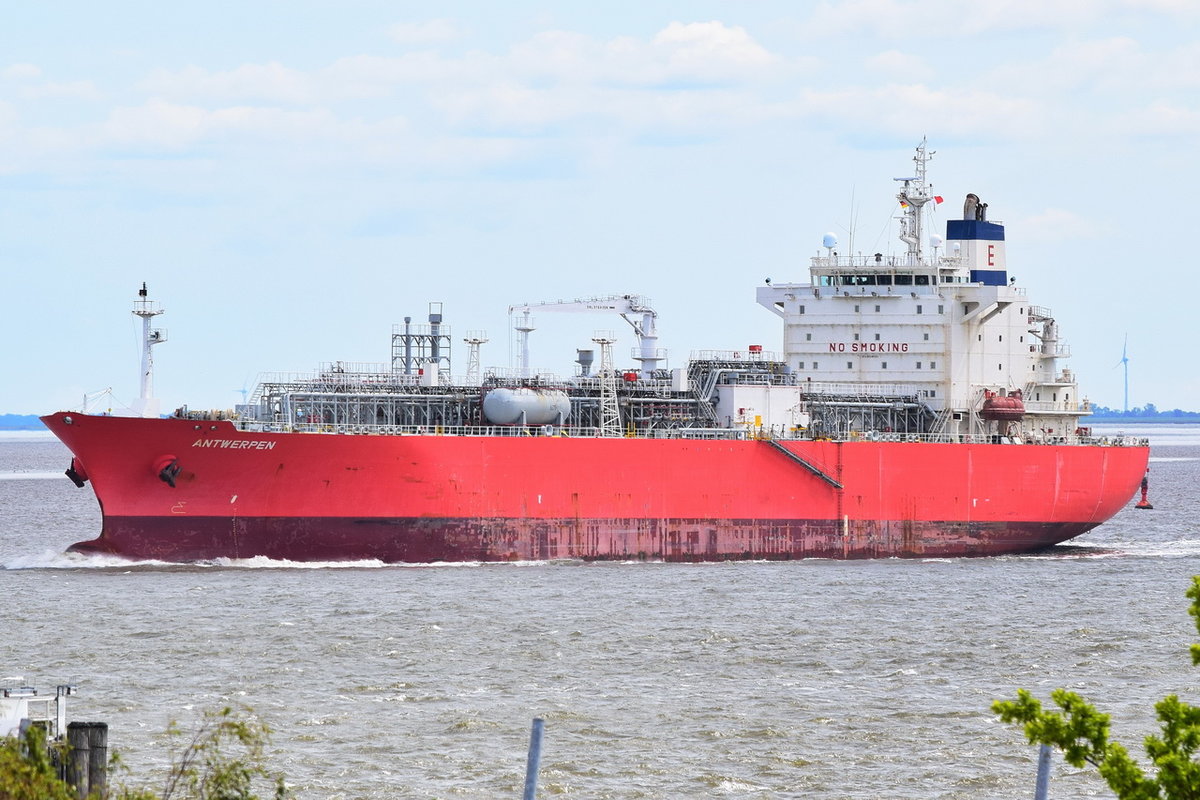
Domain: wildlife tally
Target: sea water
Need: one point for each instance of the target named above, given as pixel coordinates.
(826, 679)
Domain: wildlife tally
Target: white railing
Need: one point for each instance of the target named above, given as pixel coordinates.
(745, 432)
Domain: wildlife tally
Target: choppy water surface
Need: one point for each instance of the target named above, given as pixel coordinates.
(749, 680)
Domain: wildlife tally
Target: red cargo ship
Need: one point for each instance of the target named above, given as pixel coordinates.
(917, 410)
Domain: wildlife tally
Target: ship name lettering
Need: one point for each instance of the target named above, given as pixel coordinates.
(868, 347)
(235, 444)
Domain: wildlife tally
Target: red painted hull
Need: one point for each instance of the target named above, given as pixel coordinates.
(318, 497)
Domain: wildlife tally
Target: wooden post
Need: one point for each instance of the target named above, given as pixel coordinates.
(77, 757)
(1043, 775)
(98, 758)
(535, 758)
(87, 757)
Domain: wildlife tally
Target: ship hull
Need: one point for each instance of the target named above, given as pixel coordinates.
(420, 499)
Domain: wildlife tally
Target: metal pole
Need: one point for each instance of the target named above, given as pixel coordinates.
(535, 757)
(1043, 775)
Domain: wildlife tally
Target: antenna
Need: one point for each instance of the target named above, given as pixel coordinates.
(913, 196)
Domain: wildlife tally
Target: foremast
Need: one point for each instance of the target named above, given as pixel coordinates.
(147, 404)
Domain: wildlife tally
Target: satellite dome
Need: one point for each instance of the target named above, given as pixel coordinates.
(830, 240)
(936, 241)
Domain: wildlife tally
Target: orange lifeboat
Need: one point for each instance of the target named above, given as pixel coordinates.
(1001, 408)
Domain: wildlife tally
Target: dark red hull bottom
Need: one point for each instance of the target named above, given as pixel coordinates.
(424, 540)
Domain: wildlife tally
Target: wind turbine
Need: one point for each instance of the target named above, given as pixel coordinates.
(1124, 362)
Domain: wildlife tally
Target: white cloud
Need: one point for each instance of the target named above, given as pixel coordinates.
(904, 108)
(21, 71)
(1162, 119)
(711, 49)
(172, 127)
(270, 82)
(903, 19)
(900, 66)
(429, 32)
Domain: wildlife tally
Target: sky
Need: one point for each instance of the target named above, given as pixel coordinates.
(291, 179)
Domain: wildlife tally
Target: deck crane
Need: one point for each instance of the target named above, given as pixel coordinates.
(633, 308)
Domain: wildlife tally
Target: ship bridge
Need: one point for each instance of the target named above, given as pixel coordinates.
(943, 316)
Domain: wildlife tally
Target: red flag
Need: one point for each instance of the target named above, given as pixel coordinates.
(937, 198)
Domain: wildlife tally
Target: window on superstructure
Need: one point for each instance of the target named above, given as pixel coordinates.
(799, 309)
(815, 365)
(927, 337)
(904, 280)
(808, 337)
(921, 280)
(877, 337)
(1000, 367)
(941, 309)
(1001, 337)
(800, 365)
(883, 365)
(849, 365)
(919, 309)
(856, 337)
(933, 392)
(877, 309)
(885, 280)
(918, 365)
(933, 365)
(856, 309)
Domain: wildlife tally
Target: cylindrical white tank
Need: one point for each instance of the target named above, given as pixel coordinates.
(538, 406)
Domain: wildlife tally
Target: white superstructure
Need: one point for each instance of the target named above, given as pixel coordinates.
(952, 329)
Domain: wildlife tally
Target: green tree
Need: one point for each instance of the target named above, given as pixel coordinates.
(222, 759)
(1081, 733)
(27, 771)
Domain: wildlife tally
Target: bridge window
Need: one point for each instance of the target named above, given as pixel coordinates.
(904, 280)
(921, 280)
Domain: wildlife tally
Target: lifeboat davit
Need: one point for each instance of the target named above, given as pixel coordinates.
(1003, 408)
